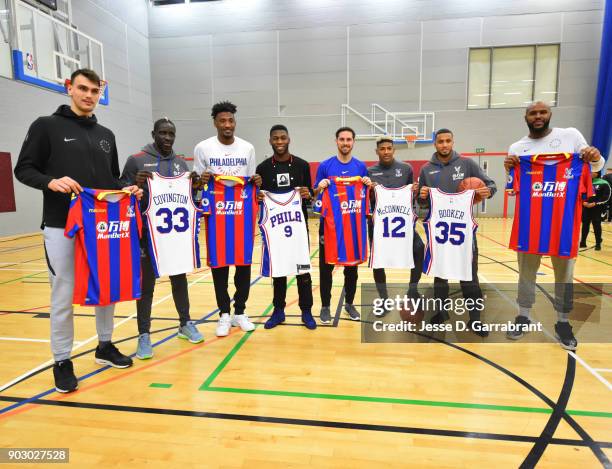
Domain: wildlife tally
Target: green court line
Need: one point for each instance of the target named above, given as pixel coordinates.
(241, 342)
(593, 259)
(391, 400)
(160, 385)
(21, 278)
(206, 386)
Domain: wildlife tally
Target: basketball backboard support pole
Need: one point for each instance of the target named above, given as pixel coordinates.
(46, 50)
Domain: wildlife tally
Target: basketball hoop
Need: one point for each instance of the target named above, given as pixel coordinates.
(411, 140)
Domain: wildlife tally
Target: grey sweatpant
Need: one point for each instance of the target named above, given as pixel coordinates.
(60, 261)
(564, 288)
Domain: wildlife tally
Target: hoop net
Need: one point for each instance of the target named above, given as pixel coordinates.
(411, 140)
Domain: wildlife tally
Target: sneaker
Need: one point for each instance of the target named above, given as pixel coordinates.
(480, 332)
(144, 351)
(382, 311)
(190, 332)
(352, 312)
(242, 320)
(63, 374)
(598, 247)
(278, 317)
(518, 333)
(325, 315)
(438, 318)
(565, 336)
(110, 355)
(583, 245)
(308, 320)
(224, 325)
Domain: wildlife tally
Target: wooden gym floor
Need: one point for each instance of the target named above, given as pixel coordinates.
(290, 397)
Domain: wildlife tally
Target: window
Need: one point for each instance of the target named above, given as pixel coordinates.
(507, 77)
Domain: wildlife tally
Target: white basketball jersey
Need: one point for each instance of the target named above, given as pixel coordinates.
(450, 231)
(173, 225)
(285, 246)
(393, 219)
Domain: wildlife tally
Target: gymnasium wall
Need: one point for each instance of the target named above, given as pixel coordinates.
(296, 62)
(122, 26)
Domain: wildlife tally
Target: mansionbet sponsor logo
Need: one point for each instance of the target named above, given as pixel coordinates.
(549, 189)
(113, 229)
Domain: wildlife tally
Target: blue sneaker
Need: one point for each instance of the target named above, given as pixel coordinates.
(308, 320)
(144, 351)
(190, 332)
(278, 317)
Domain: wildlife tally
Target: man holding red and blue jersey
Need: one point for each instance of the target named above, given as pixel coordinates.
(228, 155)
(343, 165)
(545, 140)
(62, 154)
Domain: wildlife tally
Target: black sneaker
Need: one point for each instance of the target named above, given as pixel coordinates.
(520, 322)
(598, 247)
(325, 316)
(438, 318)
(480, 332)
(110, 355)
(63, 374)
(583, 245)
(383, 310)
(352, 312)
(565, 336)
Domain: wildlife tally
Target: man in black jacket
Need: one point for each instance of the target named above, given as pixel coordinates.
(61, 154)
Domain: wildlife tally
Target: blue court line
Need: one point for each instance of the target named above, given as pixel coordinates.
(104, 368)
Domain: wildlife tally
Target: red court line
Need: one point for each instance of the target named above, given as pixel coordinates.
(593, 287)
(121, 375)
(32, 309)
(125, 374)
(59, 397)
(27, 310)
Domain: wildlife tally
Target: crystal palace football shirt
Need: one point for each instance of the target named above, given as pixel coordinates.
(230, 203)
(549, 191)
(343, 205)
(107, 226)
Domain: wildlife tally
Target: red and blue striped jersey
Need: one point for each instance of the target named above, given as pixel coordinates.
(231, 220)
(107, 226)
(549, 192)
(343, 207)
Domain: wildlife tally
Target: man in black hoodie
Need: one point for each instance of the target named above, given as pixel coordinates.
(61, 154)
(158, 157)
(445, 171)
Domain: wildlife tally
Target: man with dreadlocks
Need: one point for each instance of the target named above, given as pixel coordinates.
(158, 157)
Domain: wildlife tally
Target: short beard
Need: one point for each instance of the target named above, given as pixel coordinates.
(540, 131)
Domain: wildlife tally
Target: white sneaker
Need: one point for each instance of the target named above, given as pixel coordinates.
(242, 321)
(224, 325)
